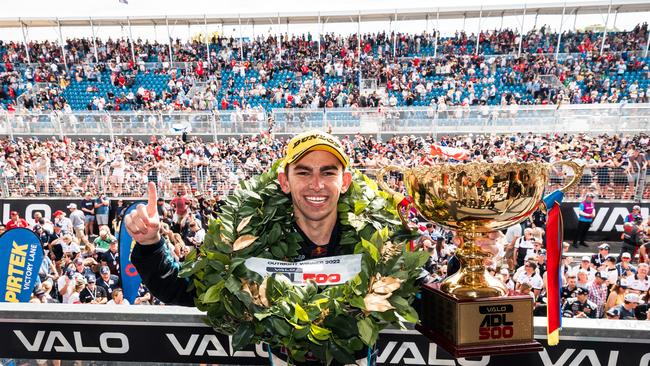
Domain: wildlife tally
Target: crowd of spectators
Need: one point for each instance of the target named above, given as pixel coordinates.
(120, 168)
(287, 71)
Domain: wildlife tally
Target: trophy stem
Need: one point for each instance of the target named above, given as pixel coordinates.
(472, 281)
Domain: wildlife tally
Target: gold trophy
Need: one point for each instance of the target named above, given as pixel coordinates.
(468, 314)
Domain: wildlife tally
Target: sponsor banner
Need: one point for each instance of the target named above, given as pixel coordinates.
(326, 271)
(47, 206)
(607, 225)
(129, 275)
(115, 341)
(21, 255)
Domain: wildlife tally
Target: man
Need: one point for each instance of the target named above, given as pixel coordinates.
(102, 206)
(103, 241)
(530, 276)
(118, 298)
(111, 258)
(108, 281)
(580, 306)
(585, 265)
(599, 258)
(626, 310)
(82, 269)
(64, 222)
(78, 218)
(88, 208)
(625, 267)
(315, 175)
(93, 294)
(598, 292)
(570, 290)
(640, 279)
(15, 221)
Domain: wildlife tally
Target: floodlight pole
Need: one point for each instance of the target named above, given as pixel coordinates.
(318, 35)
(435, 40)
(501, 26)
(207, 38)
(128, 21)
(559, 33)
(65, 62)
(92, 29)
(241, 41)
(22, 27)
(602, 44)
(521, 33)
(575, 19)
(169, 42)
(478, 34)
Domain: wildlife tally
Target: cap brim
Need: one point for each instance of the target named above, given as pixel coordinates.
(317, 147)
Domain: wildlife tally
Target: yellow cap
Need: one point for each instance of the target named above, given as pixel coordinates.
(314, 140)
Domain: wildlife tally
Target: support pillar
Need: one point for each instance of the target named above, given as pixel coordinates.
(22, 27)
(602, 44)
(65, 62)
(521, 32)
(169, 42)
(478, 34)
(92, 29)
(128, 21)
(559, 33)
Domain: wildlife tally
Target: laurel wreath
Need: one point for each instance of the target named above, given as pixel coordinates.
(331, 323)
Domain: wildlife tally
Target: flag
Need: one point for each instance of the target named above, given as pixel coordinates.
(129, 275)
(554, 238)
(21, 255)
(124, 2)
(450, 152)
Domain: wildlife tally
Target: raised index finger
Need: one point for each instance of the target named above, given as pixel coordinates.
(152, 195)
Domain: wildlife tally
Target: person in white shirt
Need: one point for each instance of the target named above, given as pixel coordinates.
(530, 276)
(118, 298)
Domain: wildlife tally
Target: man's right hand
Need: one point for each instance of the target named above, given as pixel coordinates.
(143, 223)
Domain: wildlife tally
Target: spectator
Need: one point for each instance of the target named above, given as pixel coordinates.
(103, 241)
(598, 259)
(580, 306)
(111, 258)
(586, 214)
(598, 293)
(77, 218)
(102, 209)
(88, 208)
(108, 281)
(93, 294)
(117, 298)
(626, 309)
(15, 221)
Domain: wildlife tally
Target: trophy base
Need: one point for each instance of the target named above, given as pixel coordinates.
(478, 327)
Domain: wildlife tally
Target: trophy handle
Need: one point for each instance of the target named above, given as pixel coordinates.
(384, 186)
(397, 197)
(577, 170)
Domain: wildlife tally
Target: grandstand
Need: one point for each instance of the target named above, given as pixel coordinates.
(197, 116)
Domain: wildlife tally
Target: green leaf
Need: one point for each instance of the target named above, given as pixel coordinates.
(281, 326)
(301, 313)
(341, 355)
(322, 334)
(414, 260)
(345, 326)
(243, 335)
(214, 292)
(359, 207)
(368, 332)
(371, 249)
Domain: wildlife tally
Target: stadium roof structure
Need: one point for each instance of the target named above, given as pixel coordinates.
(557, 8)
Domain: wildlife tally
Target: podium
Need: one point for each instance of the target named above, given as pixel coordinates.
(477, 327)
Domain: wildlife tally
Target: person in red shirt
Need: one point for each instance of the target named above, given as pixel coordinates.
(15, 221)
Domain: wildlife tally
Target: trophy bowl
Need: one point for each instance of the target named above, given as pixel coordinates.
(474, 199)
